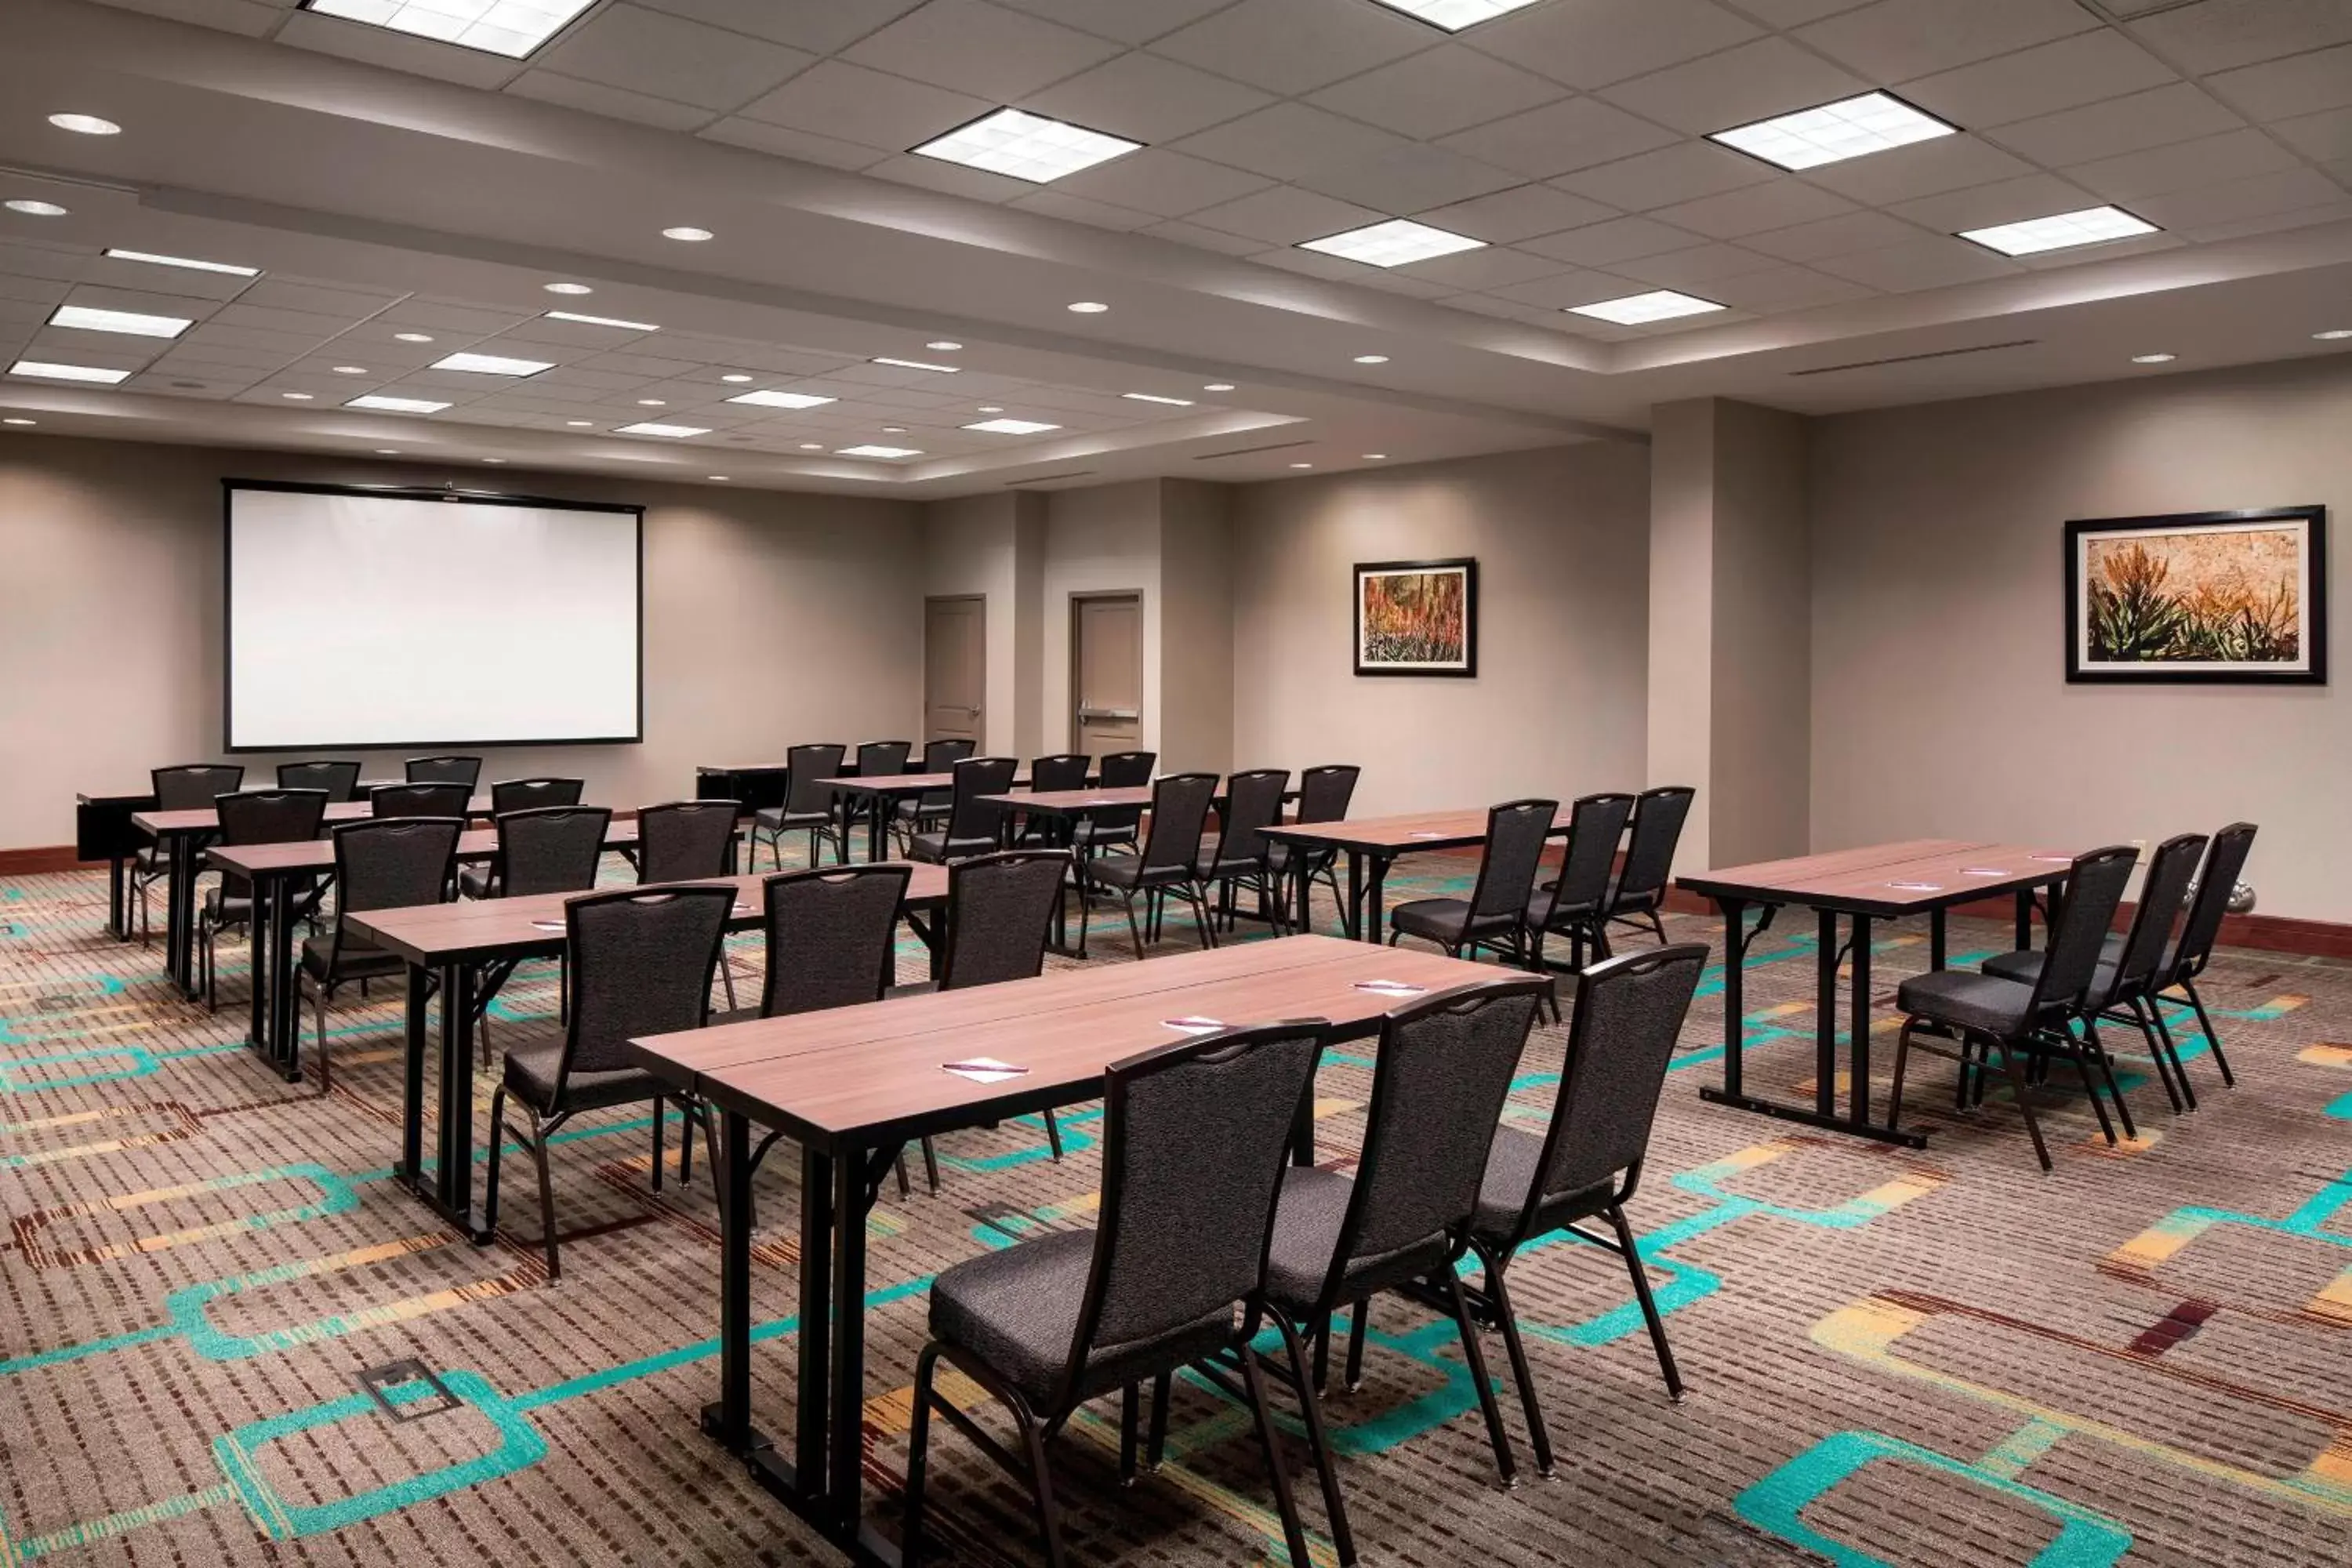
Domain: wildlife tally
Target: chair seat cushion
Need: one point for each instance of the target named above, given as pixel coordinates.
(939, 848)
(776, 819)
(1307, 1225)
(1129, 871)
(356, 961)
(1090, 831)
(1545, 915)
(1984, 1002)
(530, 1076)
(1443, 920)
(474, 882)
(2025, 965)
(227, 908)
(1511, 1165)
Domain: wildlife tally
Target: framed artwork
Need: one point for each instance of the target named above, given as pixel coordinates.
(1417, 617)
(2203, 597)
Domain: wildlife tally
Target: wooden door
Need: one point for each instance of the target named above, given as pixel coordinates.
(955, 670)
(1107, 673)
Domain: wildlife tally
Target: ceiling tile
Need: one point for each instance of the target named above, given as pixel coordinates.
(251, 17)
(1751, 82)
(1922, 169)
(972, 47)
(1518, 213)
(2324, 136)
(1793, 13)
(1558, 138)
(1784, 288)
(784, 142)
(2219, 34)
(1607, 244)
(1590, 43)
(1314, 263)
(835, 24)
(2285, 192)
(1928, 263)
(2076, 70)
(1694, 268)
(2280, 89)
(1568, 289)
(1286, 215)
(2004, 200)
(1297, 46)
(1408, 178)
(619, 103)
(1496, 266)
(1193, 233)
(2232, 155)
(348, 305)
(1129, 21)
(653, 53)
(1670, 174)
(1158, 181)
(1896, 40)
(1776, 203)
(1056, 203)
(2338, 210)
(1833, 237)
(851, 103)
(382, 46)
(1438, 91)
(1289, 139)
(955, 179)
(1395, 281)
(2150, 118)
(1146, 98)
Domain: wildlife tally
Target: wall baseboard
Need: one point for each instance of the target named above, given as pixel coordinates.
(41, 859)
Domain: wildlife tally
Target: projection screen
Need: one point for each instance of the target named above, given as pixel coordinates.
(402, 618)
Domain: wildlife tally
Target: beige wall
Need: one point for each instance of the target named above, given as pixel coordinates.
(1561, 537)
(1196, 660)
(1940, 704)
(972, 546)
(770, 618)
(1101, 540)
(1760, 769)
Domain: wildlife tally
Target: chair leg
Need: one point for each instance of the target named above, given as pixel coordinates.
(2155, 1054)
(546, 1199)
(1521, 1371)
(727, 974)
(660, 1116)
(1640, 1273)
(1318, 1440)
(1200, 900)
(2213, 1036)
(1294, 1538)
(919, 1454)
(2079, 1051)
(1359, 1321)
(1133, 929)
(1053, 1136)
(930, 1165)
(1477, 1357)
(2180, 1067)
(2017, 1088)
(687, 1117)
(1895, 1084)
(498, 1158)
(2107, 1070)
(1041, 1479)
(1164, 1388)
(326, 1060)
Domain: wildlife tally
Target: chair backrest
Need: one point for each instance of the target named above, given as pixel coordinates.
(1324, 792)
(832, 935)
(1180, 810)
(685, 839)
(1252, 804)
(998, 908)
(1196, 1136)
(1596, 825)
(522, 795)
(551, 848)
(1515, 831)
(2094, 887)
(450, 799)
(1443, 1070)
(1066, 771)
(391, 863)
(941, 756)
(271, 815)
(193, 787)
(1629, 1015)
(1123, 770)
(2214, 884)
(880, 759)
(340, 780)
(1658, 817)
(804, 766)
(467, 770)
(642, 959)
(971, 816)
(2163, 893)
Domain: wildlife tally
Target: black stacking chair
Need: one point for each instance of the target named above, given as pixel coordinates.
(808, 805)
(2123, 990)
(253, 817)
(641, 963)
(1573, 905)
(1194, 1138)
(340, 780)
(1323, 796)
(1952, 1013)
(974, 824)
(543, 849)
(1052, 775)
(387, 863)
(421, 800)
(2188, 960)
(1588, 1164)
(876, 758)
(1120, 770)
(1236, 859)
(1168, 863)
(684, 840)
(193, 786)
(467, 770)
(1495, 916)
(929, 809)
(1443, 1070)
(508, 796)
(1639, 893)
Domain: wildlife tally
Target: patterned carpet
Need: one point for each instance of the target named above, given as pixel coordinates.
(1894, 1358)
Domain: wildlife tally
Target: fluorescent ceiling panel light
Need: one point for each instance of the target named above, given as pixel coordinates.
(780, 399)
(2061, 231)
(879, 452)
(601, 321)
(68, 371)
(1396, 243)
(509, 27)
(397, 404)
(1013, 427)
(1639, 309)
(131, 323)
(491, 364)
(31, 209)
(1025, 146)
(918, 364)
(1154, 397)
(1455, 14)
(1850, 128)
(190, 262)
(647, 427)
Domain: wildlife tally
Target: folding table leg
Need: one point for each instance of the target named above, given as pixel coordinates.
(1825, 1012)
(1858, 1029)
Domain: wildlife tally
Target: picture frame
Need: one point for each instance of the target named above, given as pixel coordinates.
(2199, 598)
(1417, 618)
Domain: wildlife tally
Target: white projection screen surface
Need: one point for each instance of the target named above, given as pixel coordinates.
(361, 618)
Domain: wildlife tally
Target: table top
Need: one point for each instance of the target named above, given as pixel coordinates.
(1418, 830)
(473, 929)
(1076, 802)
(161, 823)
(858, 1077)
(1909, 877)
(302, 856)
(903, 783)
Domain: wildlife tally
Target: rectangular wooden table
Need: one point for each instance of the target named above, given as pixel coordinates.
(1880, 881)
(853, 1085)
(1373, 843)
(884, 791)
(455, 941)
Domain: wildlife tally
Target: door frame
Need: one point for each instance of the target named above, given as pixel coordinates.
(982, 600)
(1078, 601)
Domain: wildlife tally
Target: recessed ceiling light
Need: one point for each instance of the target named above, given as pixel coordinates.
(653, 403)
(567, 287)
(992, 408)
(811, 446)
(647, 427)
(2060, 231)
(601, 321)
(387, 451)
(494, 459)
(1850, 128)
(19, 421)
(917, 364)
(53, 371)
(1638, 310)
(296, 396)
(351, 370)
(738, 378)
(1089, 307)
(1218, 386)
(716, 479)
(894, 429)
(580, 424)
(31, 209)
(1302, 465)
(512, 29)
(873, 451)
(1371, 359)
(86, 124)
(1154, 397)
(765, 399)
(2154, 359)
(688, 233)
(190, 262)
(1025, 146)
(1392, 244)
(2332, 335)
(131, 323)
(1013, 426)
(1455, 14)
(944, 346)
(1374, 457)
(414, 337)
(397, 404)
(490, 364)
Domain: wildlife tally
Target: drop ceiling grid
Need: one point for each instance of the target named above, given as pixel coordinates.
(1269, 121)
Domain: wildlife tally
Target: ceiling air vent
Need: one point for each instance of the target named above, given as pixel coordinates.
(1911, 359)
(1048, 478)
(1250, 451)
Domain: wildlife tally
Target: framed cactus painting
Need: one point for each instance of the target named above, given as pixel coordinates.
(2237, 596)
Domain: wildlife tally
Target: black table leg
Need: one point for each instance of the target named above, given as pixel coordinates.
(180, 915)
(845, 1437)
(1858, 1030)
(730, 1420)
(814, 1366)
(453, 1173)
(258, 927)
(1352, 917)
(1374, 884)
(117, 898)
(1735, 1005)
(1935, 942)
(1825, 1012)
(412, 1107)
(2024, 917)
(877, 806)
